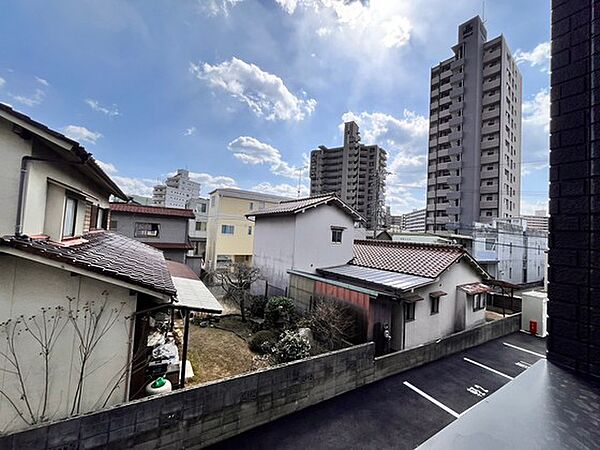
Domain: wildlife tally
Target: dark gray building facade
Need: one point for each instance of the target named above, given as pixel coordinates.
(574, 242)
(474, 157)
(355, 172)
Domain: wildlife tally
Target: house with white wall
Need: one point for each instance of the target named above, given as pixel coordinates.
(61, 270)
(419, 291)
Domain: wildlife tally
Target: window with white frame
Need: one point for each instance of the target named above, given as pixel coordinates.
(479, 301)
(146, 230)
(227, 229)
(70, 217)
(336, 235)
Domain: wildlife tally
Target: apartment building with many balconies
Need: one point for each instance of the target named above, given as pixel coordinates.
(474, 159)
(177, 191)
(355, 173)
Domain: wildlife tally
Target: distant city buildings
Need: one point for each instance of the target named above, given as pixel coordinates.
(413, 221)
(474, 160)
(355, 172)
(176, 191)
(538, 221)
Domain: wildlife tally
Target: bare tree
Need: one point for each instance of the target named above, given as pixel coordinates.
(236, 279)
(332, 323)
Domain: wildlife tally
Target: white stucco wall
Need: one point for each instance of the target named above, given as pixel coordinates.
(428, 327)
(26, 287)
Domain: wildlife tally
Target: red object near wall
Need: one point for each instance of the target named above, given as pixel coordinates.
(533, 327)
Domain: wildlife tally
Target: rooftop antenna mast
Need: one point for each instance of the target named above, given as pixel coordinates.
(300, 179)
(483, 11)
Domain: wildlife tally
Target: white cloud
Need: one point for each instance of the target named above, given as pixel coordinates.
(217, 7)
(539, 56)
(189, 131)
(109, 168)
(251, 151)
(2, 82)
(79, 133)
(42, 81)
(536, 112)
(135, 186)
(210, 182)
(283, 189)
(113, 111)
(536, 129)
(264, 93)
(379, 21)
(405, 140)
(529, 207)
(33, 100)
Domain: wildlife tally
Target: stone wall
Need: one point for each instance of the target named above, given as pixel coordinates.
(203, 415)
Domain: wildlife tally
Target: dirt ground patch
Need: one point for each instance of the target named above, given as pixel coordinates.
(220, 351)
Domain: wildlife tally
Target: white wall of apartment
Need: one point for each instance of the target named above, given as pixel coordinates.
(25, 288)
(537, 244)
(428, 327)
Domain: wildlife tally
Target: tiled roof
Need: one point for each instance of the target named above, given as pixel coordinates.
(152, 210)
(77, 149)
(423, 260)
(106, 253)
(171, 245)
(289, 207)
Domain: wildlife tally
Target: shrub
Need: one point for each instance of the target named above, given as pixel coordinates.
(263, 341)
(290, 347)
(257, 306)
(279, 312)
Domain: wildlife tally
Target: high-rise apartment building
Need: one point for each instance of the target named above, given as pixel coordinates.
(176, 191)
(474, 160)
(355, 173)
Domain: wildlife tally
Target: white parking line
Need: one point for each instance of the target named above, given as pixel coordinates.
(524, 350)
(432, 400)
(483, 366)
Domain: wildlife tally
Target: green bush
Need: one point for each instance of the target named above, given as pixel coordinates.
(263, 341)
(279, 312)
(290, 347)
(257, 306)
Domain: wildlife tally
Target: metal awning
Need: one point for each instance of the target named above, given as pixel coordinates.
(438, 294)
(385, 278)
(194, 295)
(411, 298)
(475, 288)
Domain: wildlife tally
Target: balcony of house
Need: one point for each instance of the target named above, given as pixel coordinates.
(490, 55)
(455, 135)
(456, 91)
(443, 126)
(435, 92)
(485, 174)
(453, 195)
(488, 204)
(487, 114)
(442, 179)
(458, 120)
(455, 150)
(444, 113)
(445, 74)
(489, 189)
(489, 159)
(445, 100)
(433, 142)
(431, 181)
(442, 166)
(490, 99)
(442, 219)
(431, 194)
(441, 206)
(442, 192)
(433, 117)
(490, 143)
(434, 105)
(452, 210)
(487, 85)
(432, 168)
(432, 154)
(492, 70)
(445, 87)
(430, 220)
(457, 63)
(489, 129)
(457, 77)
(454, 179)
(443, 139)
(454, 165)
(442, 152)
(455, 106)
(435, 79)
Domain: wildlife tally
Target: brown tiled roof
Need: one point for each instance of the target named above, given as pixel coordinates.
(177, 269)
(171, 245)
(77, 149)
(152, 210)
(289, 207)
(106, 253)
(424, 260)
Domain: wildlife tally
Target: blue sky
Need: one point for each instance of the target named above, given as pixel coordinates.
(240, 91)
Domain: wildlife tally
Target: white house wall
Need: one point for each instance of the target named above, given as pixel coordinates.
(26, 287)
(427, 327)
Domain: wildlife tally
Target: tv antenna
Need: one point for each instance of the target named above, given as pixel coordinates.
(483, 11)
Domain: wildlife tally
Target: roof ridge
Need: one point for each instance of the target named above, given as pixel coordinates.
(384, 243)
(310, 197)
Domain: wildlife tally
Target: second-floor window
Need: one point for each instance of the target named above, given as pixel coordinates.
(200, 226)
(70, 218)
(227, 229)
(146, 229)
(336, 235)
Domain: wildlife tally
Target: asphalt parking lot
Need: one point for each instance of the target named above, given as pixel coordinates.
(404, 410)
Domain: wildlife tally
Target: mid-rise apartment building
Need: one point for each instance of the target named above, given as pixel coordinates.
(198, 226)
(176, 191)
(354, 172)
(538, 221)
(230, 234)
(474, 158)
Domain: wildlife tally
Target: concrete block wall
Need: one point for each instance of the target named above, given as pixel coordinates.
(574, 241)
(203, 415)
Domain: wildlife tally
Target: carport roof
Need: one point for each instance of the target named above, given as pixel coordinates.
(387, 279)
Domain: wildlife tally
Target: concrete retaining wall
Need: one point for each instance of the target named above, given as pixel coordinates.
(203, 415)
